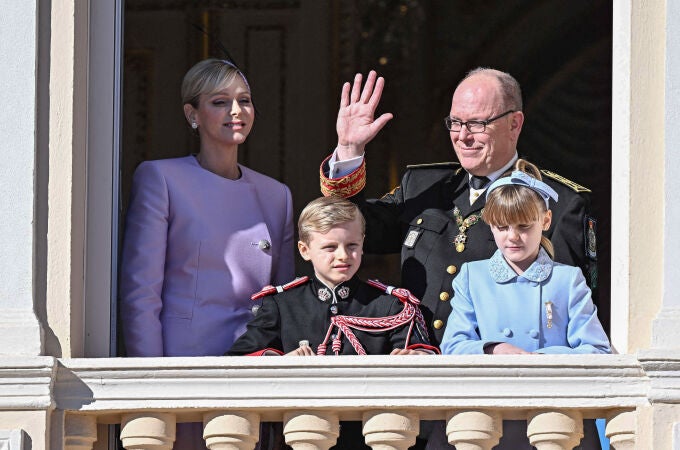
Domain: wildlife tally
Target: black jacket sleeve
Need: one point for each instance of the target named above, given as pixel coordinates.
(263, 332)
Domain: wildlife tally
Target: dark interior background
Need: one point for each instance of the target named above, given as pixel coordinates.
(297, 53)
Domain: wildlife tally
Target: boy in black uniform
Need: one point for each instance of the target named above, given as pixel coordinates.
(318, 316)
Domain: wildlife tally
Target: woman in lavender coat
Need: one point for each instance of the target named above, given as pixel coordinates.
(203, 232)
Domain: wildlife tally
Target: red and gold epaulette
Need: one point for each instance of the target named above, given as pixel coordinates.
(345, 187)
(270, 290)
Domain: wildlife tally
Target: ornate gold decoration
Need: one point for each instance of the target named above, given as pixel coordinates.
(463, 225)
(565, 181)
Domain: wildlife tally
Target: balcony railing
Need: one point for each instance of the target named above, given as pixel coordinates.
(310, 395)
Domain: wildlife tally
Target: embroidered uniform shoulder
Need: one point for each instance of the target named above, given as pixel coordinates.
(439, 165)
(271, 290)
(565, 181)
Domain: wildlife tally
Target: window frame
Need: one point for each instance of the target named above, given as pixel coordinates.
(103, 176)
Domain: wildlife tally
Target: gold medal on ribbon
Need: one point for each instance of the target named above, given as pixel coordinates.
(463, 225)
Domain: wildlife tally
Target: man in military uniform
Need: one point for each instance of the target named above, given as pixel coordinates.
(433, 217)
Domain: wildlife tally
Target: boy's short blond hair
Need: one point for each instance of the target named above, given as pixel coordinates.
(324, 213)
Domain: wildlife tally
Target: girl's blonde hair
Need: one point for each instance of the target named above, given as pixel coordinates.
(324, 213)
(513, 204)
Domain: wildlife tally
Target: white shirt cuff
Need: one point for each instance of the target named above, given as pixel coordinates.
(339, 169)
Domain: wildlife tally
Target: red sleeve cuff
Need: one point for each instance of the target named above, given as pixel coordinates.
(426, 347)
(345, 187)
(265, 350)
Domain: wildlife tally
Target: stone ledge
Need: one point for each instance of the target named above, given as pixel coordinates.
(433, 384)
(26, 383)
(662, 366)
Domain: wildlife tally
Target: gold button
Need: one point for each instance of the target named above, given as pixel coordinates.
(438, 324)
(443, 296)
(451, 269)
(419, 221)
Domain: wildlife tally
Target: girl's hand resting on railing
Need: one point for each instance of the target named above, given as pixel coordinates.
(503, 348)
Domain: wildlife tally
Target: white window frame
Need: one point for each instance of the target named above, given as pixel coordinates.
(103, 176)
(620, 206)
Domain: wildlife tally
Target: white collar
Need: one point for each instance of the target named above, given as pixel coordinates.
(538, 271)
(493, 176)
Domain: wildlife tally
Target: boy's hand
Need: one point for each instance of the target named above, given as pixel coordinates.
(303, 350)
(408, 351)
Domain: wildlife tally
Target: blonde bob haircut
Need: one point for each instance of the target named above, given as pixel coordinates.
(512, 204)
(206, 77)
(324, 213)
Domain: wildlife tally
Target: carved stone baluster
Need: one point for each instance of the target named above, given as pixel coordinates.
(555, 430)
(390, 430)
(148, 431)
(80, 432)
(474, 430)
(621, 429)
(231, 431)
(311, 430)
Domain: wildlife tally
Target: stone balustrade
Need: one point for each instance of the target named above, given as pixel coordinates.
(390, 395)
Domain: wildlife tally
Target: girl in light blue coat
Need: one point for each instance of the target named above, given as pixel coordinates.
(520, 301)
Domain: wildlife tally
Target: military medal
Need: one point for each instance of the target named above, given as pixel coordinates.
(549, 313)
(460, 242)
(463, 225)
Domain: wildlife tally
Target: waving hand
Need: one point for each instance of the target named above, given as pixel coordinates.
(356, 125)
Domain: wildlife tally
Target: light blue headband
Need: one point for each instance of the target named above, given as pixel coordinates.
(520, 178)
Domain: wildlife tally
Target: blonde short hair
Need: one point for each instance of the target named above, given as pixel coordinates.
(324, 213)
(206, 77)
(512, 204)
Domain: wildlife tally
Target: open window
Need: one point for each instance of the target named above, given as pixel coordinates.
(296, 55)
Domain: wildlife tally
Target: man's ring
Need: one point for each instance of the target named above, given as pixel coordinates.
(304, 343)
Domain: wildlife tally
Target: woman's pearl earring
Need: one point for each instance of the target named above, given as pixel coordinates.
(194, 125)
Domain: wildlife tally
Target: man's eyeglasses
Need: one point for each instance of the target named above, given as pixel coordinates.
(473, 126)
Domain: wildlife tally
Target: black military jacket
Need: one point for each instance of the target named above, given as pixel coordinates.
(417, 220)
(304, 313)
